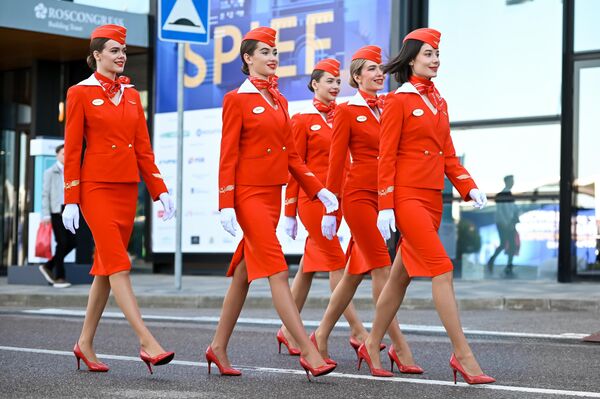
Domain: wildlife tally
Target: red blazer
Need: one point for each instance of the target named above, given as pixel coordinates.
(355, 128)
(257, 147)
(416, 149)
(117, 142)
(312, 137)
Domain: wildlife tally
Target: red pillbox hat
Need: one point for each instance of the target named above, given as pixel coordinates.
(330, 65)
(262, 34)
(117, 33)
(371, 53)
(426, 35)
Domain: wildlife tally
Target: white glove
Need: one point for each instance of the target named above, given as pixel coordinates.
(70, 217)
(228, 220)
(291, 226)
(168, 206)
(386, 221)
(329, 226)
(478, 197)
(329, 200)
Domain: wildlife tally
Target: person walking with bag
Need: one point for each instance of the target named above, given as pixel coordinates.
(106, 112)
(52, 207)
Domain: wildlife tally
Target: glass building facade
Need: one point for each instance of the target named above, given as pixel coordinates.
(521, 78)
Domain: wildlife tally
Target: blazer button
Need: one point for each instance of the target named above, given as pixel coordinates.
(284, 148)
(426, 152)
(113, 146)
(132, 146)
(268, 150)
(441, 153)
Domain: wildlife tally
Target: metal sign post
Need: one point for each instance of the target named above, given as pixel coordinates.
(182, 21)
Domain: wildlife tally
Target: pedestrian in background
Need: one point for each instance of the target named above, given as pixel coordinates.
(52, 207)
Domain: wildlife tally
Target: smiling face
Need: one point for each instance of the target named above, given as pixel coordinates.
(426, 63)
(371, 77)
(327, 87)
(263, 61)
(111, 60)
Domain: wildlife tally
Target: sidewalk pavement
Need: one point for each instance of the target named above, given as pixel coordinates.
(158, 291)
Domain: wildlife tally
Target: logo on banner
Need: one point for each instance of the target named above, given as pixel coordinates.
(41, 12)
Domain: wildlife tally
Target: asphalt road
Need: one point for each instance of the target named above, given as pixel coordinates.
(531, 354)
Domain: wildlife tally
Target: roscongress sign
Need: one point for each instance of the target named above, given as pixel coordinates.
(69, 19)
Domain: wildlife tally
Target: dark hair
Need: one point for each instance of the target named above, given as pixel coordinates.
(247, 47)
(399, 65)
(96, 44)
(59, 147)
(317, 74)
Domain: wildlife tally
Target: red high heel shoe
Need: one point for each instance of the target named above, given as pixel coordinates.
(402, 368)
(212, 358)
(317, 371)
(328, 360)
(355, 344)
(469, 379)
(92, 366)
(364, 355)
(157, 360)
(282, 340)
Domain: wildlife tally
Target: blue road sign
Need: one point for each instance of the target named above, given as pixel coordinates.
(184, 21)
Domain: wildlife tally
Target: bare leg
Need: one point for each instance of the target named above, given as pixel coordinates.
(288, 312)
(357, 330)
(380, 278)
(120, 283)
(98, 296)
(445, 304)
(230, 312)
(339, 301)
(300, 288)
(387, 306)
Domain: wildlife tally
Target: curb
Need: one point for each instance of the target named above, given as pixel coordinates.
(212, 302)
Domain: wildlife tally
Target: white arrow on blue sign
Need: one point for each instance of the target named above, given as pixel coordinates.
(184, 21)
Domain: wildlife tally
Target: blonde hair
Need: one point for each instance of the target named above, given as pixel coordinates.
(355, 69)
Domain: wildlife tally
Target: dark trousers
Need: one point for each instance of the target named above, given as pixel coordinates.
(65, 243)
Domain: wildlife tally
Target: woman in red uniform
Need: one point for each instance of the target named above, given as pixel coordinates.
(416, 151)
(356, 129)
(312, 133)
(257, 150)
(106, 112)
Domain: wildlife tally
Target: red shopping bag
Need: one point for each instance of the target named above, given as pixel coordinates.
(43, 241)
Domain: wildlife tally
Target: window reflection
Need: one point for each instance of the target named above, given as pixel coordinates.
(501, 60)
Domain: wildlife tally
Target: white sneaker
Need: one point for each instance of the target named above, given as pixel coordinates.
(61, 284)
(47, 274)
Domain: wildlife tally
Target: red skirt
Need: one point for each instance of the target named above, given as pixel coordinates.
(418, 216)
(257, 209)
(320, 254)
(109, 210)
(367, 249)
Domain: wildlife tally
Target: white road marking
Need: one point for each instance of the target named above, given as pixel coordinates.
(495, 387)
(414, 328)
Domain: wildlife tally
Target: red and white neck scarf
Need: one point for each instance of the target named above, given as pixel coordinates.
(372, 101)
(270, 84)
(425, 87)
(326, 109)
(111, 87)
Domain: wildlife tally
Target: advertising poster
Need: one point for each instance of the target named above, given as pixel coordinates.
(308, 31)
